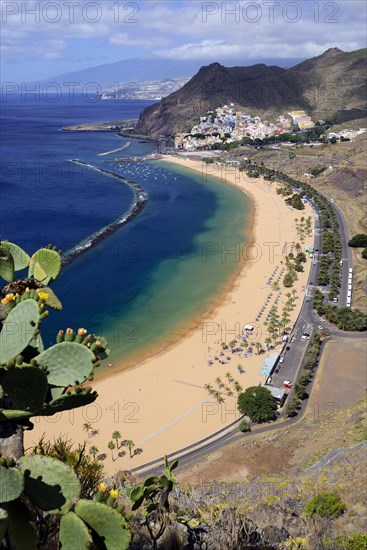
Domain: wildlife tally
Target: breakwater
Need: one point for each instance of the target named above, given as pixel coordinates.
(140, 201)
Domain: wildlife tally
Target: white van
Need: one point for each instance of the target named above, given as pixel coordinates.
(351, 270)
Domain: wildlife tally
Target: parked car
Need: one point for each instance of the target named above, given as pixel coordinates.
(287, 384)
(281, 360)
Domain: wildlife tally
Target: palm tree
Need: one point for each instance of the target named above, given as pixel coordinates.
(129, 444)
(228, 390)
(116, 436)
(112, 447)
(229, 376)
(298, 248)
(258, 346)
(87, 426)
(237, 386)
(93, 451)
(208, 387)
(218, 381)
(267, 342)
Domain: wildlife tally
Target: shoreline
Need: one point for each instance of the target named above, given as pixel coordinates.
(161, 403)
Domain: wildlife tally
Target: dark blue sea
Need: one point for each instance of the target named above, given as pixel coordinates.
(147, 278)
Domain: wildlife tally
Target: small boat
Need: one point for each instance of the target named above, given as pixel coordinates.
(110, 365)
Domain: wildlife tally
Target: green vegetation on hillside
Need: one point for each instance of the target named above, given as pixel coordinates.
(358, 241)
(325, 505)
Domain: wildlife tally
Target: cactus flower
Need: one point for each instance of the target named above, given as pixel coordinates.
(114, 493)
(9, 297)
(69, 331)
(102, 488)
(82, 331)
(43, 296)
(60, 333)
(4, 301)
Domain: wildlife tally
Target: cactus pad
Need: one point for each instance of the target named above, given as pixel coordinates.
(3, 523)
(14, 415)
(11, 485)
(21, 258)
(50, 484)
(45, 265)
(52, 299)
(6, 264)
(69, 401)
(67, 363)
(74, 534)
(18, 329)
(25, 385)
(21, 527)
(37, 343)
(106, 522)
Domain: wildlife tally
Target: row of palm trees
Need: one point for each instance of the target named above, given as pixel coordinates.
(304, 228)
(279, 323)
(115, 442)
(217, 394)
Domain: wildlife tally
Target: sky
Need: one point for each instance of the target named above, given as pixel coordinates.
(44, 38)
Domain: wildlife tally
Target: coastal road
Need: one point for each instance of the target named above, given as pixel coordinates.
(346, 255)
(308, 321)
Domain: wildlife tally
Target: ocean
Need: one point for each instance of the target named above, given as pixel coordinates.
(144, 282)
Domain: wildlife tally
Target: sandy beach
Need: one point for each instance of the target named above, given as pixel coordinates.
(162, 404)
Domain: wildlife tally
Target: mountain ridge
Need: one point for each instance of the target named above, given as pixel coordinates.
(332, 85)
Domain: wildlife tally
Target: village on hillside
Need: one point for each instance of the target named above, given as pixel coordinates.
(228, 127)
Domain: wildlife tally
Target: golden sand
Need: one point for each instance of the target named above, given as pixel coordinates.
(161, 404)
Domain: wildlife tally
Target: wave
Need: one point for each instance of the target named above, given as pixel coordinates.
(141, 199)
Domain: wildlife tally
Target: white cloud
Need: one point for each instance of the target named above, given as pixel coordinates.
(182, 31)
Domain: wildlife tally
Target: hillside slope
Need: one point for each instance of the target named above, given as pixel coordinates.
(332, 85)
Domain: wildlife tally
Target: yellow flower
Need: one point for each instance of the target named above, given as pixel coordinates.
(4, 301)
(43, 296)
(82, 331)
(114, 493)
(9, 297)
(102, 488)
(69, 331)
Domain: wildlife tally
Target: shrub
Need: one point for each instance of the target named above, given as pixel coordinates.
(364, 253)
(357, 541)
(257, 403)
(292, 408)
(358, 241)
(326, 504)
(244, 426)
(288, 280)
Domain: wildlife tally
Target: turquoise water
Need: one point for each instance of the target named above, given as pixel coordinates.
(149, 279)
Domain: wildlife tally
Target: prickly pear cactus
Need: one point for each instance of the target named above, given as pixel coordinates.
(6, 264)
(21, 527)
(68, 363)
(70, 401)
(51, 300)
(74, 534)
(50, 484)
(18, 329)
(11, 485)
(109, 525)
(25, 385)
(3, 523)
(20, 257)
(45, 265)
